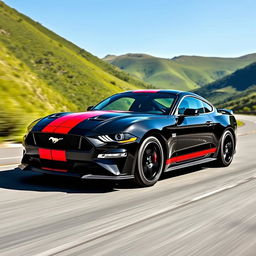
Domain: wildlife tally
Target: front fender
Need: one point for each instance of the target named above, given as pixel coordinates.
(144, 127)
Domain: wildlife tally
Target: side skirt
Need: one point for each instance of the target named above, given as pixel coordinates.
(198, 162)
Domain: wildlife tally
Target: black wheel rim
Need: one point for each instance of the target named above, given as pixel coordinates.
(228, 149)
(151, 161)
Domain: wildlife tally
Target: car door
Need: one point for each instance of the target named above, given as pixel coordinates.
(194, 132)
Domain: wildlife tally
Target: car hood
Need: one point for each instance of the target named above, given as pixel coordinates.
(91, 122)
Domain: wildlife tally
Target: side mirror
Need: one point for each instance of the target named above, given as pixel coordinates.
(90, 108)
(225, 111)
(191, 112)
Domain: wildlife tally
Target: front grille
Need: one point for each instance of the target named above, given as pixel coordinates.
(65, 142)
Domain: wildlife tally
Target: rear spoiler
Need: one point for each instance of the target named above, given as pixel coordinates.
(225, 111)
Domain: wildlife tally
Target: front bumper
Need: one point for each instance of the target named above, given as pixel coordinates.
(84, 165)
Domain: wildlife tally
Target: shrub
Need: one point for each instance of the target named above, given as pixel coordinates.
(246, 109)
(9, 124)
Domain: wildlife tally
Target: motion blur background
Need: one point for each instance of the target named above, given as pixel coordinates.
(64, 55)
(41, 72)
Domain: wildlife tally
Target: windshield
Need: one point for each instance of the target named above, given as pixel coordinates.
(153, 103)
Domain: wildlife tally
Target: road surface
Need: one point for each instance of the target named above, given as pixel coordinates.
(200, 211)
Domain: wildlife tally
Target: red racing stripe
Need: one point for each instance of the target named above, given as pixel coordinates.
(53, 169)
(45, 153)
(65, 123)
(57, 122)
(59, 155)
(190, 156)
(51, 154)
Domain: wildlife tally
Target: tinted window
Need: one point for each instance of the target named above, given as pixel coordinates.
(123, 104)
(167, 102)
(155, 103)
(192, 103)
(207, 107)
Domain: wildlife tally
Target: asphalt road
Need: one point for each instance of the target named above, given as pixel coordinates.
(200, 211)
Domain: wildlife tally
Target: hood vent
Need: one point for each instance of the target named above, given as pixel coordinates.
(57, 115)
(100, 118)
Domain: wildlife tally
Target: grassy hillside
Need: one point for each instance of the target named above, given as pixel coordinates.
(41, 72)
(24, 96)
(236, 91)
(243, 103)
(183, 72)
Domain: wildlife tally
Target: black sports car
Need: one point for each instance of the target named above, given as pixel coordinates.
(132, 135)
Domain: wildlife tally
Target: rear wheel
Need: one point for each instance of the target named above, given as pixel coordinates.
(150, 162)
(226, 150)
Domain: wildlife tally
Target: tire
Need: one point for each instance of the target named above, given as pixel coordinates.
(226, 150)
(150, 162)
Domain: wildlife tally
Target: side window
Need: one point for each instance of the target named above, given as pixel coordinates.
(207, 107)
(190, 102)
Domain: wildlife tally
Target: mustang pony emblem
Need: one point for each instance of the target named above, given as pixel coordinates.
(55, 140)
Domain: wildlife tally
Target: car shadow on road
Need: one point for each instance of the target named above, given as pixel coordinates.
(184, 171)
(16, 179)
(165, 176)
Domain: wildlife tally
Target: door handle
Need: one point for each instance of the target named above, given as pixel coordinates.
(209, 123)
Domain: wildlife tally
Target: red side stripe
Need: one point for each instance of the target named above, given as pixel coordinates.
(65, 123)
(53, 169)
(190, 156)
(50, 154)
(145, 91)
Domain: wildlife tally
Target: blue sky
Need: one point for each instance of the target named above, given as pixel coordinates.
(163, 28)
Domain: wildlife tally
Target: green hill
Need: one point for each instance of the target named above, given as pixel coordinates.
(41, 73)
(236, 91)
(183, 72)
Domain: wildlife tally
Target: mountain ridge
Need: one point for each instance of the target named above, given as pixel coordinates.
(183, 72)
(236, 91)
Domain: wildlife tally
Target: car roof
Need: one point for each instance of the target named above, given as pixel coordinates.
(176, 92)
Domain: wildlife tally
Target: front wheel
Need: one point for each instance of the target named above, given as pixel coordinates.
(226, 150)
(150, 162)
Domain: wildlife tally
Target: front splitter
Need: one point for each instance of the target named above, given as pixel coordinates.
(24, 167)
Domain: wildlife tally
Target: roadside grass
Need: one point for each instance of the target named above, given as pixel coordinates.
(240, 123)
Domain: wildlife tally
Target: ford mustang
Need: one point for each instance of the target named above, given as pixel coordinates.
(132, 135)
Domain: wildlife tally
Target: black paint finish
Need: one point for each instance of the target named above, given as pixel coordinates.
(179, 134)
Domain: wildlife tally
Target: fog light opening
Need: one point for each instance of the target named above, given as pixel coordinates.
(112, 155)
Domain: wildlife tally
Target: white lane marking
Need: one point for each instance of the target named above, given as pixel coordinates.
(246, 133)
(222, 189)
(11, 157)
(210, 193)
(87, 239)
(8, 166)
(11, 145)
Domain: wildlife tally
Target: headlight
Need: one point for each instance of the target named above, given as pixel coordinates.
(119, 138)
